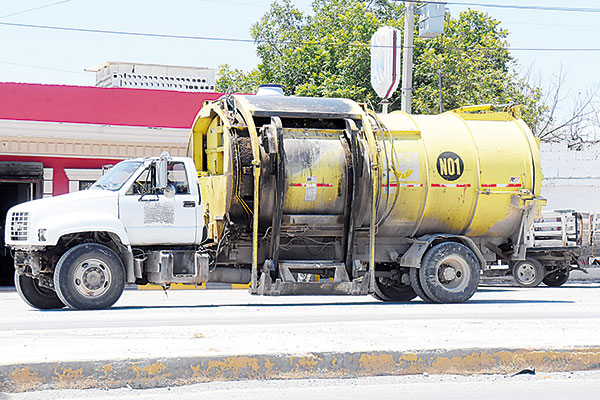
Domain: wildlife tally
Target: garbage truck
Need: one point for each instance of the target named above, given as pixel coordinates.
(295, 196)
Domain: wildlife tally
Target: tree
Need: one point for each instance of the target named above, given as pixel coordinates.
(327, 54)
(233, 80)
(579, 125)
(474, 65)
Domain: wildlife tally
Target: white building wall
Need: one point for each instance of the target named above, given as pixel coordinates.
(571, 178)
(158, 77)
(48, 182)
(89, 140)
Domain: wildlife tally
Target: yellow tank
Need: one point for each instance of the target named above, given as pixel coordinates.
(466, 172)
(458, 172)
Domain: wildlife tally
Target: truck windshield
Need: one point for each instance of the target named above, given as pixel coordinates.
(117, 176)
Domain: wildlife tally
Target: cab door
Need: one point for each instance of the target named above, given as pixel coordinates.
(152, 218)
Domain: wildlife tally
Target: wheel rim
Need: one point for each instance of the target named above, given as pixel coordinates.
(526, 273)
(454, 273)
(92, 278)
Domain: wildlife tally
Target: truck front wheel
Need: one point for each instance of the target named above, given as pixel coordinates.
(449, 273)
(528, 273)
(89, 276)
(35, 295)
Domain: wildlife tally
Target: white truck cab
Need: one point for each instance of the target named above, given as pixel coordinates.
(78, 249)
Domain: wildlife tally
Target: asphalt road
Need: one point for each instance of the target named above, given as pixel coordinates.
(232, 322)
(546, 386)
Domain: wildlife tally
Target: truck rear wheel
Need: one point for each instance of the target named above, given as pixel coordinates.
(556, 279)
(387, 289)
(528, 273)
(89, 276)
(35, 295)
(415, 283)
(449, 273)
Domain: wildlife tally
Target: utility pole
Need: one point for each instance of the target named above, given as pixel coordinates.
(407, 58)
(440, 89)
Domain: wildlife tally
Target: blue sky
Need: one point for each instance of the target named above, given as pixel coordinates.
(58, 57)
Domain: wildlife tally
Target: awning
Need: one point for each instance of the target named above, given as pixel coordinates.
(21, 170)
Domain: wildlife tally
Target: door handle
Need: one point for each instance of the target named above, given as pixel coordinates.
(189, 204)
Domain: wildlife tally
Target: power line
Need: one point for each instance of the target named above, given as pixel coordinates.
(238, 40)
(46, 68)
(238, 3)
(504, 22)
(34, 9)
(104, 31)
(591, 49)
(512, 6)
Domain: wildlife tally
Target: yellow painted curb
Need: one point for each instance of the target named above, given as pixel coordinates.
(176, 371)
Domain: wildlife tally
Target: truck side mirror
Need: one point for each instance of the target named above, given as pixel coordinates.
(162, 170)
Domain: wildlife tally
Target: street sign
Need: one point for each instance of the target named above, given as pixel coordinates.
(385, 61)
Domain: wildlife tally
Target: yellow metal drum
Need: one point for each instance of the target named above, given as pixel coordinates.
(458, 172)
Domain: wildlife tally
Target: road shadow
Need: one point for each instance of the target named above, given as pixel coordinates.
(569, 286)
(520, 302)
(504, 288)
(414, 303)
(494, 288)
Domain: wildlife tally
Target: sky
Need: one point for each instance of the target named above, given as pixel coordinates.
(39, 55)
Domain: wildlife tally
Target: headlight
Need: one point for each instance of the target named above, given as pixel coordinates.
(42, 235)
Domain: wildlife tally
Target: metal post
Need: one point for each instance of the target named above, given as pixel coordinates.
(407, 59)
(440, 88)
(384, 106)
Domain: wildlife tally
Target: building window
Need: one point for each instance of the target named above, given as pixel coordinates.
(83, 185)
(81, 179)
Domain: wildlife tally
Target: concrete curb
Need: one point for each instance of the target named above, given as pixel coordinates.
(161, 372)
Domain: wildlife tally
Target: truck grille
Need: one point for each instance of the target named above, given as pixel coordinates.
(19, 226)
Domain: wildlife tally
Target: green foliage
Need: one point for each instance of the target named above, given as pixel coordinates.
(471, 58)
(232, 80)
(324, 54)
(327, 54)
(475, 67)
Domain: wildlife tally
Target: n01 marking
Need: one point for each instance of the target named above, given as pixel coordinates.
(450, 166)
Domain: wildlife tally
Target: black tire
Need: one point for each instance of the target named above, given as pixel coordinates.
(89, 276)
(528, 273)
(556, 279)
(415, 283)
(389, 290)
(35, 295)
(449, 273)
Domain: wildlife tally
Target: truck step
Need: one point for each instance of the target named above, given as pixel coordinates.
(278, 288)
(287, 282)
